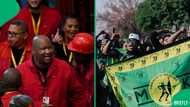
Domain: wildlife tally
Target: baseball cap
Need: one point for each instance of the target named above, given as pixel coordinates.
(134, 36)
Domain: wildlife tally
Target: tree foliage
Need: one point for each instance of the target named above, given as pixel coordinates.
(156, 14)
(119, 14)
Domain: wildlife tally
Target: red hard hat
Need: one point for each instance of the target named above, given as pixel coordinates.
(82, 43)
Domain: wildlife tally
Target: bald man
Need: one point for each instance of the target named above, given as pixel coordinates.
(10, 85)
(50, 81)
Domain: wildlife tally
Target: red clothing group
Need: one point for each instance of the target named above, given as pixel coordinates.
(62, 86)
(50, 19)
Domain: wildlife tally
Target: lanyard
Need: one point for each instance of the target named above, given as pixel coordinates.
(21, 59)
(70, 55)
(42, 78)
(64, 49)
(36, 27)
(43, 81)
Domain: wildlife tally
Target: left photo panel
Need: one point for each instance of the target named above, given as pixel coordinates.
(47, 53)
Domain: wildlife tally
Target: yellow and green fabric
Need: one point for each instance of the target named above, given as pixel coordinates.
(151, 80)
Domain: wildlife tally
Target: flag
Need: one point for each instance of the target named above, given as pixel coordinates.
(151, 80)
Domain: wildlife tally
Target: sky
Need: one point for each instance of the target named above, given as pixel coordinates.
(100, 5)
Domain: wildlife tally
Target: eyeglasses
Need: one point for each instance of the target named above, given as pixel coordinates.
(13, 34)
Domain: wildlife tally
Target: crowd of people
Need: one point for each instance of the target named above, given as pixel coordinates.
(113, 48)
(45, 60)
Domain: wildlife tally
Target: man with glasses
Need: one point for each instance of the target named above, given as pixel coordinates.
(16, 50)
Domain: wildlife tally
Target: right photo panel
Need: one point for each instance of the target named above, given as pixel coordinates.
(142, 53)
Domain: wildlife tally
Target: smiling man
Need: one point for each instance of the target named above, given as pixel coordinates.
(14, 51)
(53, 81)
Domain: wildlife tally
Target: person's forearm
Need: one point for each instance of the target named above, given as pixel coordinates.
(174, 36)
(105, 48)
